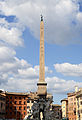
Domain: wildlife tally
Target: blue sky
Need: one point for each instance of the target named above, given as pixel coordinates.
(19, 45)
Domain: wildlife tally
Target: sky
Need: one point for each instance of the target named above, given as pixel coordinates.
(20, 39)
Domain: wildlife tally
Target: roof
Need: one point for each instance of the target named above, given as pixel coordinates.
(2, 94)
(32, 95)
(71, 94)
(56, 105)
(15, 93)
(65, 99)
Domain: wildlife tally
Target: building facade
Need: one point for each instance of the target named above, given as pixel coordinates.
(30, 101)
(16, 105)
(72, 106)
(64, 108)
(57, 111)
(79, 104)
(2, 104)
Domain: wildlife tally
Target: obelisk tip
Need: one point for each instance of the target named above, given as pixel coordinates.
(41, 17)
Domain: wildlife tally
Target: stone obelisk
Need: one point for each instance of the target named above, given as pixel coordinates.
(43, 100)
(42, 89)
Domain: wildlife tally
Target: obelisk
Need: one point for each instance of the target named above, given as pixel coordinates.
(42, 85)
(41, 106)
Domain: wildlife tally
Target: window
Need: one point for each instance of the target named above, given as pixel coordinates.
(71, 103)
(15, 97)
(24, 108)
(29, 97)
(20, 108)
(80, 98)
(15, 102)
(10, 113)
(71, 99)
(19, 113)
(74, 103)
(20, 98)
(28, 101)
(7, 101)
(10, 102)
(24, 113)
(4, 99)
(15, 113)
(28, 107)
(10, 97)
(24, 98)
(32, 101)
(74, 111)
(19, 102)
(81, 102)
(15, 108)
(7, 97)
(75, 99)
(64, 102)
(24, 103)
(1, 105)
(11, 108)
(7, 107)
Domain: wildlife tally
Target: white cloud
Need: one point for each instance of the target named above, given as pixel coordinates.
(11, 36)
(20, 78)
(28, 73)
(62, 17)
(61, 86)
(19, 75)
(79, 17)
(63, 26)
(16, 74)
(27, 79)
(69, 69)
(6, 54)
(9, 64)
(19, 85)
(13, 65)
